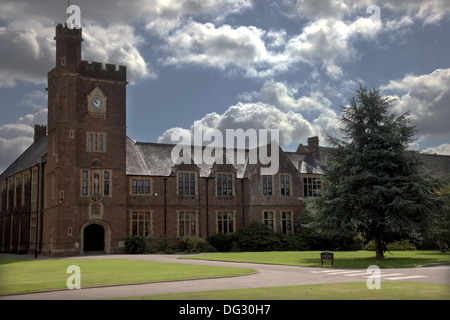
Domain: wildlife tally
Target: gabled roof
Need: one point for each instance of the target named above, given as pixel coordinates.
(305, 163)
(155, 159)
(27, 159)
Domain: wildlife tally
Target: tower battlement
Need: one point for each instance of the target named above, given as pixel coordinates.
(68, 58)
(109, 72)
(62, 31)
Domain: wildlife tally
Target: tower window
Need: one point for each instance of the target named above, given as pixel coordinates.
(106, 183)
(96, 182)
(84, 183)
(95, 142)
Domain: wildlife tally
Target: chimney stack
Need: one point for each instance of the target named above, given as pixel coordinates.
(313, 147)
(40, 131)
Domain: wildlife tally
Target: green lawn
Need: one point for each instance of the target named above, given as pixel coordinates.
(38, 275)
(342, 259)
(335, 291)
(17, 275)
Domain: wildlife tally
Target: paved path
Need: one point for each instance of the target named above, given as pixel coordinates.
(267, 276)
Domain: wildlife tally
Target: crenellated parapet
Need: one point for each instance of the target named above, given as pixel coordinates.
(109, 72)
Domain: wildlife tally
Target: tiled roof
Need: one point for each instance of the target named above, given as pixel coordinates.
(305, 163)
(154, 159)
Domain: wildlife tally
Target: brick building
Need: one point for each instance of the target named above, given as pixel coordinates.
(83, 185)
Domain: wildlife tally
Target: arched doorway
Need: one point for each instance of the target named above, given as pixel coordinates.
(94, 238)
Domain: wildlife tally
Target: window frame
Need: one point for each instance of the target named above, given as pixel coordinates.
(267, 185)
(187, 180)
(285, 185)
(269, 221)
(287, 227)
(225, 221)
(187, 220)
(96, 142)
(85, 183)
(312, 186)
(141, 223)
(140, 186)
(228, 182)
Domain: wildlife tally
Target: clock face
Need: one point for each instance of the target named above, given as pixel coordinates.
(97, 103)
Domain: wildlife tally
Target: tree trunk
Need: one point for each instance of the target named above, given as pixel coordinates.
(442, 247)
(379, 253)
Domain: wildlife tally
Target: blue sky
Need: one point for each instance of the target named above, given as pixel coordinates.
(289, 65)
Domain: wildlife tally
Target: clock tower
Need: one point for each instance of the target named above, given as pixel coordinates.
(85, 202)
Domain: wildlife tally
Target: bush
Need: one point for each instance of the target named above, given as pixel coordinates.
(257, 237)
(195, 244)
(403, 245)
(400, 245)
(223, 242)
(135, 244)
(293, 242)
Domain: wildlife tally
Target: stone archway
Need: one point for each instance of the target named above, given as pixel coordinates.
(95, 236)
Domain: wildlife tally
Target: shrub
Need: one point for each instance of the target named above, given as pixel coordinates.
(402, 245)
(293, 242)
(135, 244)
(222, 242)
(257, 237)
(195, 244)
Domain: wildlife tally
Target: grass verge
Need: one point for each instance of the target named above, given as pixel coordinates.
(342, 259)
(28, 276)
(335, 291)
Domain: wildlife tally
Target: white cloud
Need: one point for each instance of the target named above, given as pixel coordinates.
(117, 44)
(428, 11)
(443, 149)
(166, 15)
(284, 97)
(27, 52)
(326, 42)
(207, 45)
(313, 9)
(29, 49)
(14, 140)
(35, 99)
(28, 45)
(426, 97)
(293, 128)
